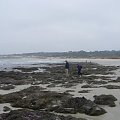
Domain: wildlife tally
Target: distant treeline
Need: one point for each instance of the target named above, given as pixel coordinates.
(81, 54)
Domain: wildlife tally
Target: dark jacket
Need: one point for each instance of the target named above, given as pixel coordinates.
(79, 67)
(67, 65)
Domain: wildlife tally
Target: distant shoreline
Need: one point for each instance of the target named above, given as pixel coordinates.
(71, 54)
(45, 57)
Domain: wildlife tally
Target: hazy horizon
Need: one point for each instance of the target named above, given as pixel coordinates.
(25, 53)
(29, 26)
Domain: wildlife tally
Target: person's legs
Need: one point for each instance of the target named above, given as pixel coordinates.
(78, 72)
(66, 71)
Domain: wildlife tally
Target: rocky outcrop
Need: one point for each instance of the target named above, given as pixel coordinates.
(37, 99)
(5, 109)
(111, 86)
(7, 87)
(105, 100)
(84, 91)
(118, 79)
(81, 105)
(89, 86)
(26, 114)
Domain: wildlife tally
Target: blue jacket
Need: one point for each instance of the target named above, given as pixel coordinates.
(79, 67)
(67, 65)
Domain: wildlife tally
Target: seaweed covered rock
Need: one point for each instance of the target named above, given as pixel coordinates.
(35, 98)
(105, 100)
(81, 105)
(84, 91)
(89, 86)
(118, 79)
(25, 114)
(111, 86)
(7, 87)
(6, 108)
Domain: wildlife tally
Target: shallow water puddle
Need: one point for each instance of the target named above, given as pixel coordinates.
(8, 105)
(17, 88)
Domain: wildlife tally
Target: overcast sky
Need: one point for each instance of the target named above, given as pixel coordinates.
(59, 25)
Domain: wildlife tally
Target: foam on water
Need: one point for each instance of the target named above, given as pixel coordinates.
(26, 61)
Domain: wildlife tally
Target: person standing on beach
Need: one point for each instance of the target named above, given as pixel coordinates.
(79, 67)
(67, 66)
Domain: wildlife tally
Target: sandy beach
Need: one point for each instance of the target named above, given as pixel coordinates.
(96, 77)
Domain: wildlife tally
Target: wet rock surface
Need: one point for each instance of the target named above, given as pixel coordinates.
(81, 105)
(5, 109)
(118, 79)
(23, 69)
(7, 87)
(84, 91)
(26, 114)
(105, 100)
(55, 74)
(37, 98)
(89, 86)
(112, 86)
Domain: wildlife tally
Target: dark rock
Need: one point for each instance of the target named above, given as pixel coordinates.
(111, 86)
(84, 91)
(35, 83)
(86, 86)
(51, 85)
(5, 109)
(118, 79)
(89, 86)
(29, 69)
(69, 91)
(36, 99)
(7, 87)
(55, 74)
(105, 100)
(99, 82)
(68, 85)
(25, 114)
(81, 105)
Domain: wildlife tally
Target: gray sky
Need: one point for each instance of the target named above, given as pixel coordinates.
(59, 25)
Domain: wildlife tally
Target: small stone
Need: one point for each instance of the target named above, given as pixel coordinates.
(5, 109)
